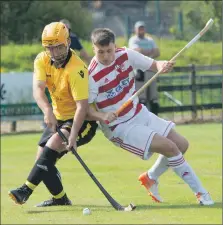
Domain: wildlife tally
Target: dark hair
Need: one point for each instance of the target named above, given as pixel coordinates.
(102, 36)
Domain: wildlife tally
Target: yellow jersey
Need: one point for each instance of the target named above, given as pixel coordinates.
(66, 85)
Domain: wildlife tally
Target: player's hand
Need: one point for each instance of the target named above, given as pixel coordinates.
(166, 66)
(109, 117)
(50, 120)
(71, 142)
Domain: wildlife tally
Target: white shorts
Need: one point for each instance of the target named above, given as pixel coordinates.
(136, 134)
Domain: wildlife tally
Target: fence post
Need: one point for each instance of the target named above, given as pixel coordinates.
(128, 27)
(180, 24)
(13, 126)
(193, 92)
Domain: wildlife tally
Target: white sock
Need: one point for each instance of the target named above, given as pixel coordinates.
(158, 168)
(185, 172)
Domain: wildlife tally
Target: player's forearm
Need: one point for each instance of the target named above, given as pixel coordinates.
(156, 66)
(41, 100)
(79, 117)
(94, 115)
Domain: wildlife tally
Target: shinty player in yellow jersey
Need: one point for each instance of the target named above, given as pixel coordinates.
(65, 75)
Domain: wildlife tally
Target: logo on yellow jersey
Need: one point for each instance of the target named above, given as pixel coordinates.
(81, 73)
(53, 88)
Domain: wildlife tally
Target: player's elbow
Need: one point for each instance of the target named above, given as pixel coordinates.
(91, 114)
(82, 105)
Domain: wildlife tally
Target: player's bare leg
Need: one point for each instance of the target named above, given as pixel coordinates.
(39, 152)
(161, 166)
(177, 162)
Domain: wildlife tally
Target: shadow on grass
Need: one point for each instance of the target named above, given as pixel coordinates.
(217, 205)
(70, 208)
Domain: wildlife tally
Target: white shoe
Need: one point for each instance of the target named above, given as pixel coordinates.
(151, 186)
(204, 199)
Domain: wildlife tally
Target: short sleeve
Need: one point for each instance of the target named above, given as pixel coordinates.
(133, 44)
(138, 60)
(39, 69)
(93, 90)
(79, 83)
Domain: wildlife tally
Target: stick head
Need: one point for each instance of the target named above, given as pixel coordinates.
(129, 208)
(209, 23)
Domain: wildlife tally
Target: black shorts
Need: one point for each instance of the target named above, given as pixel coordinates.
(85, 135)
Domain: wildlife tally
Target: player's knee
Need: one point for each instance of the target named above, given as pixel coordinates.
(184, 145)
(55, 142)
(171, 149)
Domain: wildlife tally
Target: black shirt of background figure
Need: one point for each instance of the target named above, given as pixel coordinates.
(75, 43)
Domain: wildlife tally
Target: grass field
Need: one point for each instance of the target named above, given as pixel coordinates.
(118, 171)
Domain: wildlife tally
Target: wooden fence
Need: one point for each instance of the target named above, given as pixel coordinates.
(196, 90)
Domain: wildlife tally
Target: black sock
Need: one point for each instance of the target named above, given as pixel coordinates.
(43, 166)
(52, 180)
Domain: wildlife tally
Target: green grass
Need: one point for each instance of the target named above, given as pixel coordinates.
(117, 170)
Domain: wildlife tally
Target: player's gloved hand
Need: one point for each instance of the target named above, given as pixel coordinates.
(109, 117)
(50, 120)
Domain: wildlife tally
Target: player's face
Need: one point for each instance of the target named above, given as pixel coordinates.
(141, 31)
(58, 53)
(105, 54)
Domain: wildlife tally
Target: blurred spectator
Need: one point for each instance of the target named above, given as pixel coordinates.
(75, 43)
(146, 45)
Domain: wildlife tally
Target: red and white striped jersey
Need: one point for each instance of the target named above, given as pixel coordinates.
(111, 86)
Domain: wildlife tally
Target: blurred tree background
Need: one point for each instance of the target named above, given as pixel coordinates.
(197, 13)
(23, 21)
(194, 15)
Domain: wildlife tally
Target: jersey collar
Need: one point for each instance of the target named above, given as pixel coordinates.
(66, 61)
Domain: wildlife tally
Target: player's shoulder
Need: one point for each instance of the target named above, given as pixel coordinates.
(76, 64)
(76, 61)
(121, 54)
(42, 57)
(120, 50)
(93, 67)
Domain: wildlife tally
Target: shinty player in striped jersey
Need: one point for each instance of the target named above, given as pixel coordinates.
(136, 130)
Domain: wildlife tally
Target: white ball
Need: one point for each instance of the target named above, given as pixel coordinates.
(86, 211)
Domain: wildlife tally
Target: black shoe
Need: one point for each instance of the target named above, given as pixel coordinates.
(20, 195)
(54, 202)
